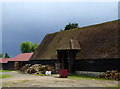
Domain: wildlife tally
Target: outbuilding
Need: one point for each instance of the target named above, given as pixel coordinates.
(15, 63)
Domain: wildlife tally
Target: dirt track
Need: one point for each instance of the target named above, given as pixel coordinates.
(27, 80)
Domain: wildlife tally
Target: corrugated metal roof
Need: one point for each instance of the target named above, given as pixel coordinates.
(19, 57)
(4, 60)
(22, 57)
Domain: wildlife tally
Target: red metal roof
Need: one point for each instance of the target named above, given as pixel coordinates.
(19, 57)
(22, 57)
(4, 60)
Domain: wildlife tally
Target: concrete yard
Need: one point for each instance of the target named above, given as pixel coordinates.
(27, 80)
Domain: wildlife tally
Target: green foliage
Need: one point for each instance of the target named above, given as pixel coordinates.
(71, 26)
(34, 47)
(1, 55)
(27, 47)
(7, 56)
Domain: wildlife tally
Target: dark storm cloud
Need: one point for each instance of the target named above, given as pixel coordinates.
(32, 21)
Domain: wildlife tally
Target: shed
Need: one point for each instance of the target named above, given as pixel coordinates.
(15, 63)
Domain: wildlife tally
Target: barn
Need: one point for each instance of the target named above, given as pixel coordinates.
(15, 63)
(91, 48)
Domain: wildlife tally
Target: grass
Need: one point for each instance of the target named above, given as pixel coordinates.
(115, 87)
(5, 71)
(4, 76)
(41, 74)
(118, 87)
(76, 76)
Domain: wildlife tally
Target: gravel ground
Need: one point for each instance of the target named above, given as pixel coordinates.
(27, 80)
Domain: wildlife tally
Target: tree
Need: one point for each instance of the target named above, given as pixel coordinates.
(34, 47)
(26, 47)
(71, 26)
(7, 56)
(1, 55)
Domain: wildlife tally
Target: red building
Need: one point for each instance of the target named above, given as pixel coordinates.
(15, 63)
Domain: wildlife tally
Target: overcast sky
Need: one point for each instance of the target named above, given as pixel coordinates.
(25, 21)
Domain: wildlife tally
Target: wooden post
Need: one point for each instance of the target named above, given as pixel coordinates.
(16, 65)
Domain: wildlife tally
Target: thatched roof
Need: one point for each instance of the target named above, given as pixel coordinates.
(71, 45)
(96, 41)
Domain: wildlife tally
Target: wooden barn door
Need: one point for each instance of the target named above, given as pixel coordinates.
(63, 59)
(16, 66)
(66, 59)
(71, 58)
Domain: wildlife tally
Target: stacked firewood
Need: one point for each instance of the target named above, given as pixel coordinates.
(114, 74)
(24, 68)
(37, 69)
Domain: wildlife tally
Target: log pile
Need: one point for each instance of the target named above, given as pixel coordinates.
(114, 74)
(37, 69)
